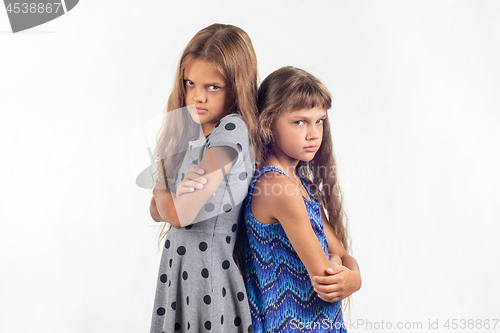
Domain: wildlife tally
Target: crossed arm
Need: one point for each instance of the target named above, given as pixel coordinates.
(181, 210)
(333, 279)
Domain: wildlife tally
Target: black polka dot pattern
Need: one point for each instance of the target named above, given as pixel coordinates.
(167, 244)
(184, 275)
(228, 239)
(181, 250)
(227, 208)
(187, 300)
(207, 299)
(222, 319)
(230, 126)
(223, 292)
(173, 305)
(188, 227)
(177, 326)
(195, 162)
(160, 311)
(243, 176)
(239, 147)
(241, 296)
(234, 227)
(237, 321)
(225, 264)
(208, 325)
(170, 263)
(209, 207)
(163, 278)
(250, 329)
(203, 246)
(204, 273)
(217, 125)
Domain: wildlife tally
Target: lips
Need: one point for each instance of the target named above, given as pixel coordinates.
(200, 111)
(311, 148)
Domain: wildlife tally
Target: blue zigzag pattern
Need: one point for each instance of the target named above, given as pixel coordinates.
(280, 293)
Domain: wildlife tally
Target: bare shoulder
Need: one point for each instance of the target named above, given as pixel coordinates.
(274, 193)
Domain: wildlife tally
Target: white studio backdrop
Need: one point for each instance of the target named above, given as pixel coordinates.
(415, 121)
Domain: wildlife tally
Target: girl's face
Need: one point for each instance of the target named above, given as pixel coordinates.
(298, 134)
(206, 95)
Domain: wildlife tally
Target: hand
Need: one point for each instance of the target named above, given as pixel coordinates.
(192, 181)
(339, 284)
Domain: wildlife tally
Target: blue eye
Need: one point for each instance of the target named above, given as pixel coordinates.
(213, 88)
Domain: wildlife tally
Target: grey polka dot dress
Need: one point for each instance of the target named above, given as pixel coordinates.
(199, 287)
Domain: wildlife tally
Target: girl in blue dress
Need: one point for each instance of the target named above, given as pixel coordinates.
(297, 266)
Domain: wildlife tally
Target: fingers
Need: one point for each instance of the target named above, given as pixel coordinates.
(194, 173)
(192, 181)
(192, 184)
(327, 279)
(331, 298)
(326, 289)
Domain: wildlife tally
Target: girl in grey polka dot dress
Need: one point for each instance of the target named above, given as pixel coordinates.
(210, 120)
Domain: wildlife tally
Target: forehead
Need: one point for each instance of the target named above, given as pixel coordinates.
(316, 112)
(202, 71)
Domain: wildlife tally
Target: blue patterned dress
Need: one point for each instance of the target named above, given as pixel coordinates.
(280, 293)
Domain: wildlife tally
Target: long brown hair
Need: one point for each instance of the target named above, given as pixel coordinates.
(287, 89)
(231, 52)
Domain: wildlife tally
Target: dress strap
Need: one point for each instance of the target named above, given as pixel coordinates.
(306, 186)
(260, 173)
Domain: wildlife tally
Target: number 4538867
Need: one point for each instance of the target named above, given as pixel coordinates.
(471, 324)
(24, 8)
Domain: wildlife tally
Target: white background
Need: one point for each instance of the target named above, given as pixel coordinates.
(415, 122)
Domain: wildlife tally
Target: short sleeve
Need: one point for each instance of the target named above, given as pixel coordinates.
(230, 131)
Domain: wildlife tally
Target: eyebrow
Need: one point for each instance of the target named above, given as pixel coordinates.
(218, 84)
(307, 117)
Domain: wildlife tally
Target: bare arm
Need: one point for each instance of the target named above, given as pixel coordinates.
(181, 211)
(289, 209)
(336, 248)
(154, 211)
(342, 280)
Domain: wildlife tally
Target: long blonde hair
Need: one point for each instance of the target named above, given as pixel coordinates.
(231, 52)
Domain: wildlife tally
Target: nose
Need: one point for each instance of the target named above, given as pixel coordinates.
(313, 133)
(199, 95)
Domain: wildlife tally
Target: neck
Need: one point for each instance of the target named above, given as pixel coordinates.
(282, 161)
(205, 130)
